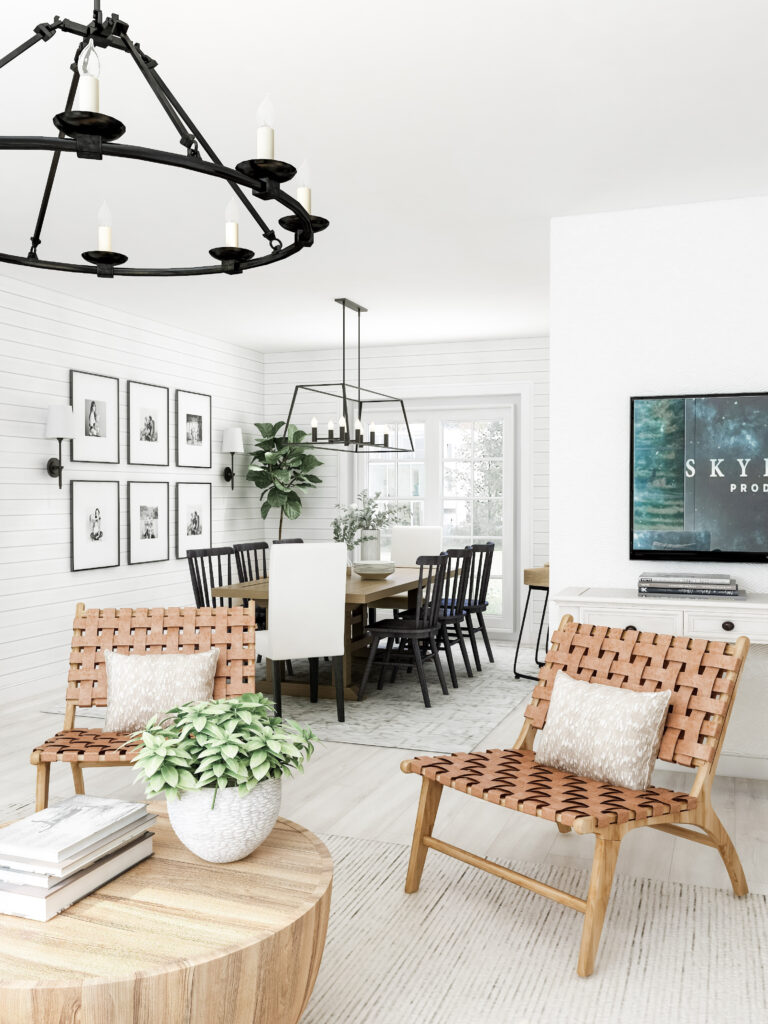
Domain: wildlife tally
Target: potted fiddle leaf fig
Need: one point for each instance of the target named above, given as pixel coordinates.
(219, 763)
(282, 467)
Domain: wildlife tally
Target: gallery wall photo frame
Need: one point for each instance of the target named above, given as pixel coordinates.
(148, 424)
(94, 524)
(95, 401)
(194, 517)
(149, 528)
(193, 430)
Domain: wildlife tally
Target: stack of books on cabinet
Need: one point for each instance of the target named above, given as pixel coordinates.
(51, 859)
(688, 584)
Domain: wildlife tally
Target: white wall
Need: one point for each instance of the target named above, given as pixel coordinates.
(656, 301)
(43, 334)
(393, 369)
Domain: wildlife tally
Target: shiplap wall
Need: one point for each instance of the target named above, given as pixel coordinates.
(43, 334)
(486, 363)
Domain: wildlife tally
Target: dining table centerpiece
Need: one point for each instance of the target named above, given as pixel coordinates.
(361, 523)
(220, 763)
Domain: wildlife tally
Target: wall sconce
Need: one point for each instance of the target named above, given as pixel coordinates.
(60, 425)
(231, 444)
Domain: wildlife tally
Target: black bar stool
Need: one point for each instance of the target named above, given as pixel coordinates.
(534, 579)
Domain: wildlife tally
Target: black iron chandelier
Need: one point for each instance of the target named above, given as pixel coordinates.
(351, 432)
(91, 135)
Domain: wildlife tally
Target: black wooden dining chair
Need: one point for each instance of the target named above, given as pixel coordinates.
(209, 568)
(417, 635)
(289, 540)
(477, 598)
(452, 607)
(251, 561)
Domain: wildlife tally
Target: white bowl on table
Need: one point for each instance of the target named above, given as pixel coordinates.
(374, 570)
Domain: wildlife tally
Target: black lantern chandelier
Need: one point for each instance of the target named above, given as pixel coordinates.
(352, 432)
(91, 135)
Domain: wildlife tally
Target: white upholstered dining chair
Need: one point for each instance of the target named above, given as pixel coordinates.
(305, 615)
(408, 542)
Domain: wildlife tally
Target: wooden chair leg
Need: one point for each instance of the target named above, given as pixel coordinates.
(368, 666)
(716, 832)
(463, 648)
(429, 801)
(77, 777)
(337, 670)
(565, 829)
(314, 679)
(600, 882)
(449, 656)
(433, 646)
(385, 662)
(416, 651)
(273, 676)
(41, 789)
(473, 641)
(484, 631)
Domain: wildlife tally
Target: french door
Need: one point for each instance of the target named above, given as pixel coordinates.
(460, 476)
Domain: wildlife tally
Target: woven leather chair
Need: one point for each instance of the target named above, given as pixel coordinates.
(138, 631)
(703, 677)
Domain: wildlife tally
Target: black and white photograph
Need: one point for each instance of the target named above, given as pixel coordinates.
(147, 424)
(148, 521)
(193, 429)
(95, 403)
(95, 524)
(193, 517)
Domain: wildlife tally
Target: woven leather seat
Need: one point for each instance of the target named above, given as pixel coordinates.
(89, 745)
(512, 778)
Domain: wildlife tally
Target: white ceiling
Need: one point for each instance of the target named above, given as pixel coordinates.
(442, 137)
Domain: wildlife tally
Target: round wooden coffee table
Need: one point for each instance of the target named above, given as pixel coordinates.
(176, 939)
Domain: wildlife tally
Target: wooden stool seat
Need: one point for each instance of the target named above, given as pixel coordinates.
(513, 779)
(89, 745)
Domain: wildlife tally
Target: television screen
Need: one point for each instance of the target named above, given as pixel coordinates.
(699, 478)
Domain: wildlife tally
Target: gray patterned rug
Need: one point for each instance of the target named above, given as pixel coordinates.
(395, 716)
(472, 949)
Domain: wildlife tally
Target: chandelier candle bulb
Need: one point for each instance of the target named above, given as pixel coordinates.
(105, 229)
(314, 428)
(231, 226)
(88, 86)
(330, 430)
(373, 433)
(265, 132)
(358, 431)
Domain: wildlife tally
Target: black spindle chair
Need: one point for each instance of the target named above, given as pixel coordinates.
(289, 540)
(452, 607)
(209, 568)
(251, 561)
(477, 598)
(416, 635)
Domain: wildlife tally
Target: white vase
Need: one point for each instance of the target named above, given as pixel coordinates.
(370, 546)
(230, 830)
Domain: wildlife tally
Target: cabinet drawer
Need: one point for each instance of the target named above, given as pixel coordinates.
(651, 620)
(713, 625)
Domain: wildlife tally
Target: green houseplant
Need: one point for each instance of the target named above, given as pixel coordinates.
(282, 468)
(361, 522)
(220, 763)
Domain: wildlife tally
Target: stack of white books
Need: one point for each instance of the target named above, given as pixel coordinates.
(688, 584)
(51, 859)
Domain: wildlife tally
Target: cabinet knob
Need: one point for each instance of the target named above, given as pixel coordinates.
(728, 626)
(631, 627)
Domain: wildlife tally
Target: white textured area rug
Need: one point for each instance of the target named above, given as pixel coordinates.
(472, 949)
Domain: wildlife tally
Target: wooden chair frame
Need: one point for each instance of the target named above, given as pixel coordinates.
(138, 631)
(693, 736)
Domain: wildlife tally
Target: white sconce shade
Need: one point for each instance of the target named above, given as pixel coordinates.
(232, 441)
(60, 422)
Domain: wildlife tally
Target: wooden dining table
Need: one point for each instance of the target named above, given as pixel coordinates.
(361, 594)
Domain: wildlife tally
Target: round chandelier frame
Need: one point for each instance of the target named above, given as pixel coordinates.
(91, 137)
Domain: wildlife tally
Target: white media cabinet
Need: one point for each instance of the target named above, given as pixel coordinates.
(745, 753)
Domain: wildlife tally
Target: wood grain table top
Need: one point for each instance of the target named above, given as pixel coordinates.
(359, 591)
(169, 913)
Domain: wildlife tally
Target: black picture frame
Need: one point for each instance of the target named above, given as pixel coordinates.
(203, 543)
(182, 448)
(167, 419)
(74, 544)
(80, 440)
(132, 540)
(671, 555)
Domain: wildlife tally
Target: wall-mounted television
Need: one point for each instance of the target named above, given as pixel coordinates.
(699, 478)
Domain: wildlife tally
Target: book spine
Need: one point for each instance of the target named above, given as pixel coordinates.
(692, 588)
(704, 580)
(685, 591)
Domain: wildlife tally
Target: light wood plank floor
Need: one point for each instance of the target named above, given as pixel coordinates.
(359, 791)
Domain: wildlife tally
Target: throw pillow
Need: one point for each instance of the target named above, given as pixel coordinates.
(142, 685)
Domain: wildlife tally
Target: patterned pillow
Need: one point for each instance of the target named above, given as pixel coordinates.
(603, 732)
(142, 685)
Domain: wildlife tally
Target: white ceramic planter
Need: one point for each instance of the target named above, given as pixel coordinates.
(233, 828)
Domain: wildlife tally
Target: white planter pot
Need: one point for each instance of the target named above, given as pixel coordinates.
(370, 547)
(233, 828)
